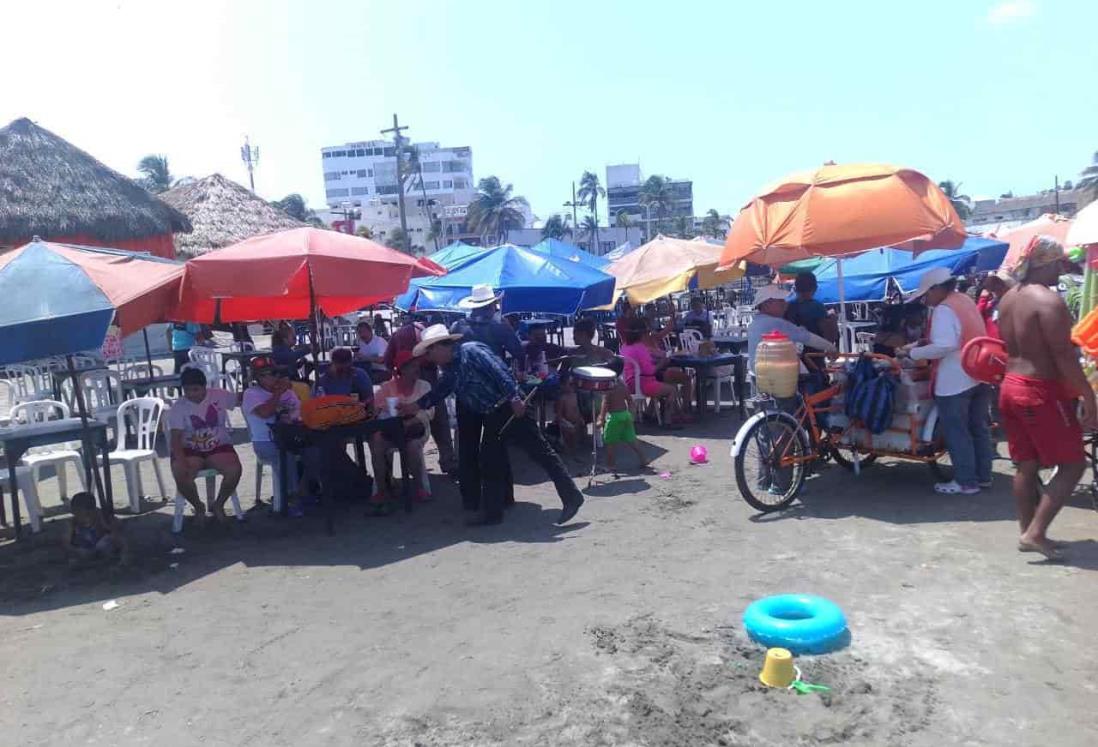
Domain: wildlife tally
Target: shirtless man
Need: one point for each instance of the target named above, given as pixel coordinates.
(1039, 395)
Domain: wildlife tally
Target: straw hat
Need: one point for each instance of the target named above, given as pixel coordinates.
(770, 293)
(482, 295)
(434, 334)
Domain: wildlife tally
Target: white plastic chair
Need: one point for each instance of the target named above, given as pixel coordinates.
(242, 346)
(690, 339)
(54, 455)
(102, 390)
(29, 488)
(715, 378)
(7, 401)
(30, 383)
(260, 466)
(211, 476)
(234, 375)
(145, 413)
(207, 359)
(638, 397)
(135, 371)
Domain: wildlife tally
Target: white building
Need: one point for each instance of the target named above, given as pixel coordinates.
(363, 171)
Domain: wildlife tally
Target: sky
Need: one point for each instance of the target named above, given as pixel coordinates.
(995, 95)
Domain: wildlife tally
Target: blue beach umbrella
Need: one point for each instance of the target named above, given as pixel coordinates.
(530, 281)
(564, 250)
(60, 299)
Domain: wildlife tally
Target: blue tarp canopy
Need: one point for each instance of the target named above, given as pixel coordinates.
(865, 277)
(564, 250)
(531, 282)
(454, 254)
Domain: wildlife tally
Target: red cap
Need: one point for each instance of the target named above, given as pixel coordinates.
(775, 336)
(401, 358)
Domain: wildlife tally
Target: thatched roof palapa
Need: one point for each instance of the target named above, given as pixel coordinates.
(223, 213)
(51, 188)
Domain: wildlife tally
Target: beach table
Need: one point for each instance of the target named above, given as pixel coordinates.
(141, 387)
(330, 441)
(701, 364)
(17, 439)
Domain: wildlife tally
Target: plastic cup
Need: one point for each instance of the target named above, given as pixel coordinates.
(392, 403)
(778, 669)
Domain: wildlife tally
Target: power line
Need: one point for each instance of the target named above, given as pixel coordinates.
(249, 154)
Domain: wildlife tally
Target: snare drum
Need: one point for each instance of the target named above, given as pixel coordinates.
(593, 378)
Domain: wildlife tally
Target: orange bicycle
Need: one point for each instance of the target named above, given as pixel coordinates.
(775, 448)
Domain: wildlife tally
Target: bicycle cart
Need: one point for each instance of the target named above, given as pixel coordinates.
(777, 446)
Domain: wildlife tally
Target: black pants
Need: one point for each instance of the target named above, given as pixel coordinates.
(495, 469)
(182, 358)
(470, 475)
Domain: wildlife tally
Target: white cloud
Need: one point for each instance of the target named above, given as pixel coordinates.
(1011, 11)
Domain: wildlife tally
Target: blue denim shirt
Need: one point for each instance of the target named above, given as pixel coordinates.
(478, 377)
(356, 382)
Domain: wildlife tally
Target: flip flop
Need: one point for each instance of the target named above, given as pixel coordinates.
(1054, 554)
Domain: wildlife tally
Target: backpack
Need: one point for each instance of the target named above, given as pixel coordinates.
(985, 359)
(320, 413)
(871, 396)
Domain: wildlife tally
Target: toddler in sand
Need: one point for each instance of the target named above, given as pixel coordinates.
(617, 421)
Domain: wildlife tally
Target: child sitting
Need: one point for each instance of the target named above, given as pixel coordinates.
(92, 536)
(405, 387)
(616, 420)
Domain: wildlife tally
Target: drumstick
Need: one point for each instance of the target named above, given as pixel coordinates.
(525, 401)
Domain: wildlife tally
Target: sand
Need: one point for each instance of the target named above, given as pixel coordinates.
(620, 629)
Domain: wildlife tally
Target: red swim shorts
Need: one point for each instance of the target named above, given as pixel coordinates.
(1040, 422)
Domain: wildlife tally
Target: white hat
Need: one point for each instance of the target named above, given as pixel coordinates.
(930, 278)
(433, 334)
(770, 293)
(482, 295)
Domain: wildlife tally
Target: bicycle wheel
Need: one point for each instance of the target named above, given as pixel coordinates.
(764, 482)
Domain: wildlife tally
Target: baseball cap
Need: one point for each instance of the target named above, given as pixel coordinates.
(265, 364)
(770, 293)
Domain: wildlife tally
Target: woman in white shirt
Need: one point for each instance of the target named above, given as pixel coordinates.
(963, 403)
(405, 387)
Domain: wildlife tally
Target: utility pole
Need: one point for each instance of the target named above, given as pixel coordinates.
(398, 140)
(249, 154)
(573, 204)
(1056, 192)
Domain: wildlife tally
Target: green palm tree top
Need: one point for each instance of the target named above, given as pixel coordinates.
(157, 175)
(494, 211)
(590, 191)
(961, 203)
(556, 227)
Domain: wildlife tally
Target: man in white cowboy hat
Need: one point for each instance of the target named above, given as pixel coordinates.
(963, 403)
(771, 304)
(482, 325)
(484, 386)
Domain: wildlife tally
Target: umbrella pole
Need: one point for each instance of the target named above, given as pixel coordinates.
(317, 343)
(91, 475)
(843, 346)
(148, 351)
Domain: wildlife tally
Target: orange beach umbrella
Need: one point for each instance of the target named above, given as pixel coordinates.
(1049, 224)
(843, 209)
(289, 274)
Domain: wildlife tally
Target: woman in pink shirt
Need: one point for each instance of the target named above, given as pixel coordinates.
(635, 349)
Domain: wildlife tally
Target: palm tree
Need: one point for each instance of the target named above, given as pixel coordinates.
(397, 239)
(157, 176)
(656, 195)
(294, 206)
(589, 192)
(556, 227)
(364, 232)
(1089, 181)
(712, 225)
(494, 211)
(684, 227)
(590, 227)
(961, 203)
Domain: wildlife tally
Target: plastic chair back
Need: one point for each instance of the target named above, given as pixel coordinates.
(143, 414)
(102, 389)
(690, 339)
(136, 371)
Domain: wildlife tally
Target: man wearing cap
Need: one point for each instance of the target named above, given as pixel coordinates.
(770, 302)
(805, 311)
(963, 403)
(1040, 393)
(342, 377)
(485, 387)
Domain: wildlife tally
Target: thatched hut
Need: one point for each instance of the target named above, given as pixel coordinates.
(222, 212)
(52, 189)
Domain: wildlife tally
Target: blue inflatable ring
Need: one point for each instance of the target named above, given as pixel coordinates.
(802, 623)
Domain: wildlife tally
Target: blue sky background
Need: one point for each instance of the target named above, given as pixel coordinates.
(997, 95)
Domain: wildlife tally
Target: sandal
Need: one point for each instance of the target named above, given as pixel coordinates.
(1052, 553)
(954, 488)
